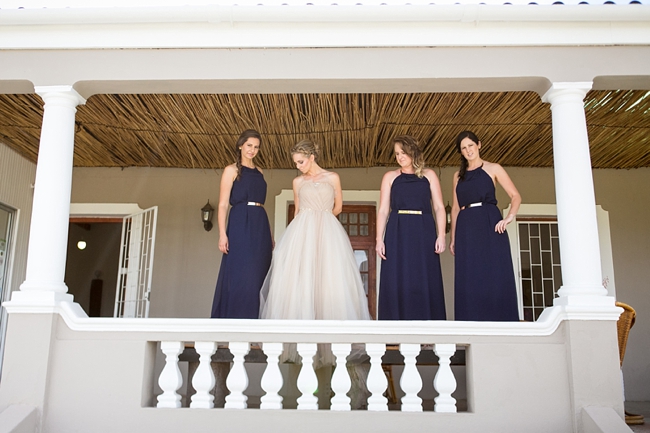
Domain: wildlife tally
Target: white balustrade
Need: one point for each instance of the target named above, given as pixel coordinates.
(170, 379)
(307, 380)
(237, 380)
(377, 382)
(444, 382)
(203, 380)
(341, 379)
(410, 382)
(272, 378)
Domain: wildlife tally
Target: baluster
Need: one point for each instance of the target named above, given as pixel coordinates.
(377, 382)
(411, 382)
(203, 380)
(237, 379)
(444, 382)
(170, 379)
(341, 379)
(272, 378)
(307, 380)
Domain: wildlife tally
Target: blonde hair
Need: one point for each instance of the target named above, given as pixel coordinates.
(307, 148)
(411, 147)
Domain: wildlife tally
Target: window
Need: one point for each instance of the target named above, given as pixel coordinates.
(539, 258)
(535, 247)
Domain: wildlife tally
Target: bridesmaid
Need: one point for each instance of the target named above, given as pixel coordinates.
(484, 277)
(246, 243)
(410, 286)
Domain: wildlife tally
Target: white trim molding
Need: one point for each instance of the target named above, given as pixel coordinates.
(324, 25)
(98, 210)
(345, 330)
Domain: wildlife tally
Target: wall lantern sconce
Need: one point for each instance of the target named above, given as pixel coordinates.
(448, 214)
(206, 216)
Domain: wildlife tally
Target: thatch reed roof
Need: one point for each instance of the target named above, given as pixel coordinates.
(199, 131)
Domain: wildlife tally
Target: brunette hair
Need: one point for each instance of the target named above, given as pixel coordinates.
(411, 147)
(307, 148)
(249, 133)
(463, 162)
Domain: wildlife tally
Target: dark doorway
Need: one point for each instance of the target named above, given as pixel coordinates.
(91, 272)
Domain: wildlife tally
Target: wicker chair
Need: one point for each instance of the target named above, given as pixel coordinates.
(624, 324)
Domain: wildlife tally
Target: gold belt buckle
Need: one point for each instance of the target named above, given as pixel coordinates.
(409, 212)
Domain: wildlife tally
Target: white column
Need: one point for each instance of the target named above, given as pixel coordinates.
(237, 380)
(410, 382)
(203, 380)
(576, 204)
(444, 382)
(307, 379)
(341, 378)
(48, 237)
(170, 379)
(376, 382)
(272, 378)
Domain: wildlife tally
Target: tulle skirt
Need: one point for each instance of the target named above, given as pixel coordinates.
(313, 273)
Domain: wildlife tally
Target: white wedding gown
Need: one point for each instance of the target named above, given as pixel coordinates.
(313, 273)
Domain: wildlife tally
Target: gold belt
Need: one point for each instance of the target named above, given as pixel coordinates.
(253, 203)
(409, 212)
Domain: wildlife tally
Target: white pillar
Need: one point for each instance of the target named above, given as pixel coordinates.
(576, 204)
(48, 238)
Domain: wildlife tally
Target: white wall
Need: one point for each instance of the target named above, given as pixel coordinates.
(16, 179)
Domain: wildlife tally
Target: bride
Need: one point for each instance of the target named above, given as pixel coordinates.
(313, 273)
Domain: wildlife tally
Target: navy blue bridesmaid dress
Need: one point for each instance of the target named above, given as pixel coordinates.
(484, 277)
(410, 285)
(244, 268)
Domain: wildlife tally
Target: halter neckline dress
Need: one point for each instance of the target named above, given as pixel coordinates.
(484, 278)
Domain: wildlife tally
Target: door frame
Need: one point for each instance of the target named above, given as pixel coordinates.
(102, 212)
(5, 290)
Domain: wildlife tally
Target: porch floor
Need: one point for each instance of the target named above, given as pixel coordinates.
(642, 408)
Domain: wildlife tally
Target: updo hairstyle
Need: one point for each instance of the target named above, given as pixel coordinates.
(307, 148)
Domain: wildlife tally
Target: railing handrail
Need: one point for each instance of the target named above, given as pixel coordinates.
(322, 330)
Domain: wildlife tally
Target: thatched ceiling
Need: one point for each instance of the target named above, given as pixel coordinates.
(198, 131)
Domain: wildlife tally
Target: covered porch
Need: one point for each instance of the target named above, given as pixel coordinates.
(560, 373)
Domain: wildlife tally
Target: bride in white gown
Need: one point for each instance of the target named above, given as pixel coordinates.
(313, 273)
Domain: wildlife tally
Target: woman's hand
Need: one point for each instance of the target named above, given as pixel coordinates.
(440, 244)
(501, 225)
(452, 248)
(381, 249)
(223, 244)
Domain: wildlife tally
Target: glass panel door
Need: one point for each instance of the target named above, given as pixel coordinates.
(136, 264)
